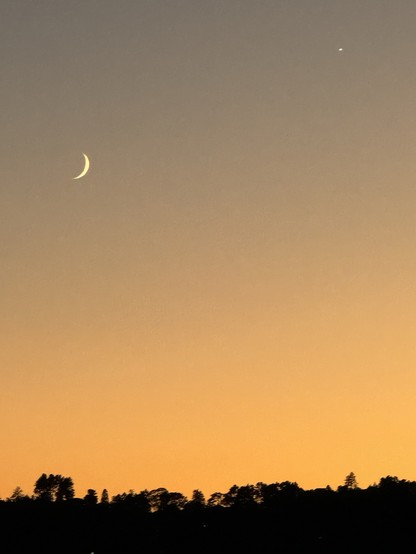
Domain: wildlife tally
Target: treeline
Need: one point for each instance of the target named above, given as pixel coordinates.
(267, 518)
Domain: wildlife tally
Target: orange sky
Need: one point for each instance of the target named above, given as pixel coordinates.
(228, 295)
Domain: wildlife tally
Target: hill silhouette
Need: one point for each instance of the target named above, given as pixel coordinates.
(261, 518)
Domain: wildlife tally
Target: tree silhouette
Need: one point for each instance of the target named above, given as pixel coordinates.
(91, 497)
(216, 499)
(198, 497)
(350, 481)
(176, 500)
(54, 488)
(240, 496)
(139, 501)
(17, 495)
(161, 500)
(44, 487)
(104, 497)
(274, 494)
(64, 488)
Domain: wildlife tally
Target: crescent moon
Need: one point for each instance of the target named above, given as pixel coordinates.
(86, 167)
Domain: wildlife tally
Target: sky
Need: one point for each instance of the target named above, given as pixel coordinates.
(228, 295)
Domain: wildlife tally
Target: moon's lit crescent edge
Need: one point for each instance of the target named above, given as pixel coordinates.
(86, 167)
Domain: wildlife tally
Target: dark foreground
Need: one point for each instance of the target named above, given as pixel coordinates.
(278, 518)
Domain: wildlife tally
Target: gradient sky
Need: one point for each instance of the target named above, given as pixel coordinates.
(228, 296)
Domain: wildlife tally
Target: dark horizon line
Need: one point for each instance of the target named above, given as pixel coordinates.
(56, 488)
